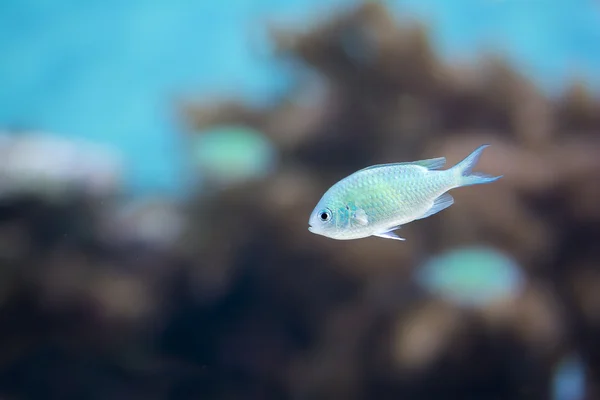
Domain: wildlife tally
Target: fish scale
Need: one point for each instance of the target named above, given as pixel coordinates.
(376, 200)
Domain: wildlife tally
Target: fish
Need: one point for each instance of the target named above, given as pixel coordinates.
(378, 200)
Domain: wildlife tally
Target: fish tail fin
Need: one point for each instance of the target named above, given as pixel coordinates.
(464, 170)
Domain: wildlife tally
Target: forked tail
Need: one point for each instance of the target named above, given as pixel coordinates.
(464, 170)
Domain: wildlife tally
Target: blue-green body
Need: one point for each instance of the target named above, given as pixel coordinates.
(377, 200)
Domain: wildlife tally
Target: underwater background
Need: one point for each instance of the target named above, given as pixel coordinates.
(159, 161)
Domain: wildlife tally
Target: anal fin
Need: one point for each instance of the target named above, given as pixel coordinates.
(442, 202)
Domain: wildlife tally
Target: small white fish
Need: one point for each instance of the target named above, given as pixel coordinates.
(377, 200)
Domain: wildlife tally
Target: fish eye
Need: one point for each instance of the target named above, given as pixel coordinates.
(325, 215)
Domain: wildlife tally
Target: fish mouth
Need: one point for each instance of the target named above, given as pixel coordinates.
(310, 228)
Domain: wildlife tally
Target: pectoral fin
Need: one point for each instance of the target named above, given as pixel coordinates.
(360, 216)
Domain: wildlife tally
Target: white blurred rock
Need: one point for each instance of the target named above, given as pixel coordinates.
(158, 223)
(48, 165)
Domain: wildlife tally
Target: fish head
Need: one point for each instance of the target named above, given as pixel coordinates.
(329, 218)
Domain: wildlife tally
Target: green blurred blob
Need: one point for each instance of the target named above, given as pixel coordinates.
(230, 154)
(472, 276)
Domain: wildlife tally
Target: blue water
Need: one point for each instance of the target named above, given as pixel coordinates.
(110, 70)
(569, 379)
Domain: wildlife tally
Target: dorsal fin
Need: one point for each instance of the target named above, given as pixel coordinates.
(431, 164)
